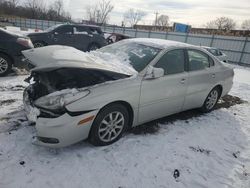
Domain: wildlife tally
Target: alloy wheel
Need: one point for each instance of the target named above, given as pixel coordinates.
(3, 65)
(111, 126)
(38, 44)
(212, 99)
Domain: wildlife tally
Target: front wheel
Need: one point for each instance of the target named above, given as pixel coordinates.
(109, 125)
(211, 100)
(5, 65)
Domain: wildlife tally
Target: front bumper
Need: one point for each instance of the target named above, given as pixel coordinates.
(62, 131)
(59, 131)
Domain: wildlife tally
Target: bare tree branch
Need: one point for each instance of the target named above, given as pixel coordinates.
(246, 25)
(99, 13)
(133, 16)
(222, 23)
(58, 6)
(163, 20)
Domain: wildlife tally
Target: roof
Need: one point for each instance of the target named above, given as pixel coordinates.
(159, 43)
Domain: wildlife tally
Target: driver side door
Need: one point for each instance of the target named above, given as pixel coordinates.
(165, 95)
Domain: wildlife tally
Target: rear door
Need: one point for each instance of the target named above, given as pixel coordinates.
(82, 37)
(64, 36)
(165, 95)
(201, 78)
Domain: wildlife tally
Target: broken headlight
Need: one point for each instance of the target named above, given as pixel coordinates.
(58, 100)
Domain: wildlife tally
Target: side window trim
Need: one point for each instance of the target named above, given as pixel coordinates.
(185, 60)
(201, 52)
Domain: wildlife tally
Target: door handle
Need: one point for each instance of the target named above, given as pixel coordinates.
(213, 75)
(183, 81)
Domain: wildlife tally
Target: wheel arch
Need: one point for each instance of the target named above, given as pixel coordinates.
(9, 56)
(93, 43)
(128, 107)
(40, 41)
(219, 86)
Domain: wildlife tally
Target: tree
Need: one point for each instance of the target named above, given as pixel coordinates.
(99, 13)
(222, 23)
(246, 24)
(58, 6)
(163, 20)
(133, 16)
(37, 7)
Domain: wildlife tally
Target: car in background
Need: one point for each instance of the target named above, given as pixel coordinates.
(11, 45)
(217, 53)
(82, 37)
(115, 37)
(101, 94)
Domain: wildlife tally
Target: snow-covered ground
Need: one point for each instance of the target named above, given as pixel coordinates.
(211, 150)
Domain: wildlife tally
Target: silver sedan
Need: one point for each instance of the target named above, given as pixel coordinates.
(98, 95)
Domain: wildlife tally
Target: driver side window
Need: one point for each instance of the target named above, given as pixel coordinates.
(172, 62)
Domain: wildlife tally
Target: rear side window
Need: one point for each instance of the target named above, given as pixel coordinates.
(172, 62)
(64, 30)
(95, 30)
(198, 60)
(81, 30)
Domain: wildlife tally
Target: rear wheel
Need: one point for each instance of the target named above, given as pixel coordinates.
(211, 100)
(5, 65)
(93, 46)
(39, 44)
(109, 125)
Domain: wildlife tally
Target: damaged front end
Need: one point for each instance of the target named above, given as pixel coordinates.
(51, 90)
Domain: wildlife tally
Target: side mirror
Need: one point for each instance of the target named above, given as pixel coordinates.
(154, 72)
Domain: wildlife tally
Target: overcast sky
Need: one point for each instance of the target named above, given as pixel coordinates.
(194, 12)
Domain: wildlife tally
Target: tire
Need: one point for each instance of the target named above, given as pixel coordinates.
(211, 100)
(93, 46)
(103, 131)
(39, 44)
(5, 65)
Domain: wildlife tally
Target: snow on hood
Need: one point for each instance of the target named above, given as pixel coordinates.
(57, 56)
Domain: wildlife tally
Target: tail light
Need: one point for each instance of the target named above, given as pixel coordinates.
(25, 42)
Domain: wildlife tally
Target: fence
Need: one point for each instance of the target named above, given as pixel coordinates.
(236, 48)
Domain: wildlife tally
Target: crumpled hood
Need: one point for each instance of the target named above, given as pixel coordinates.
(57, 56)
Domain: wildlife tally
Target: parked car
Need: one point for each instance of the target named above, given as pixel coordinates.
(99, 95)
(217, 53)
(82, 37)
(11, 45)
(115, 37)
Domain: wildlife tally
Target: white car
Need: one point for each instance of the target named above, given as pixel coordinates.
(98, 95)
(217, 53)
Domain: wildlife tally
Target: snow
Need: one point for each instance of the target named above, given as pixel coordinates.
(210, 150)
(159, 43)
(17, 30)
(65, 56)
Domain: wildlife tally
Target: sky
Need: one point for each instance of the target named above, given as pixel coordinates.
(194, 12)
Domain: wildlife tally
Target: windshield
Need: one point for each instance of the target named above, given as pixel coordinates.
(52, 28)
(138, 55)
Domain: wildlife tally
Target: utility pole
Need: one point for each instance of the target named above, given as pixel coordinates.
(156, 17)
